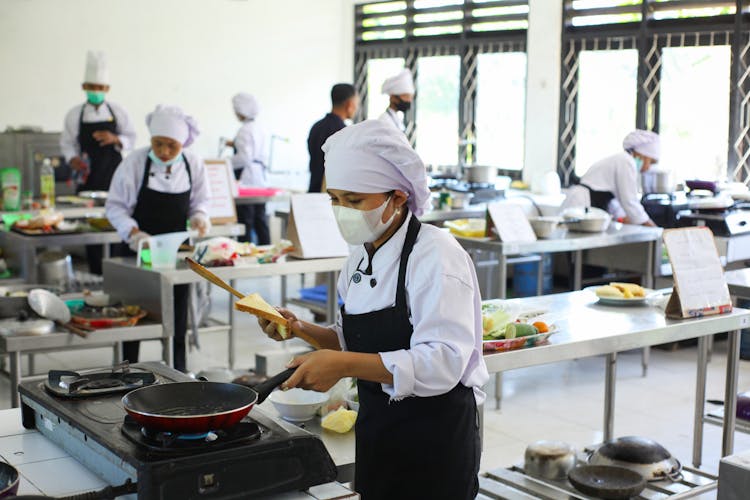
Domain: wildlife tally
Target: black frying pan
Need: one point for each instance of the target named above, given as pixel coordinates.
(197, 407)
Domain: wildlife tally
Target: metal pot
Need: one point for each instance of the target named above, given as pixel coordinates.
(461, 200)
(657, 182)
(639, 454)
(549, 459)
(55, 268)
(483, 174)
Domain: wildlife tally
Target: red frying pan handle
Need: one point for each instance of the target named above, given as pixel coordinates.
(264, 389)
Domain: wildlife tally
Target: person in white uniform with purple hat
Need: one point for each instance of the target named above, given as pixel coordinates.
(410, 329)
(611, 184)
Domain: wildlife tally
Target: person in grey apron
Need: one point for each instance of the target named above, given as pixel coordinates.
(410, 329)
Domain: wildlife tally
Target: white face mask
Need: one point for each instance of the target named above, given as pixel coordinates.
(362, 226)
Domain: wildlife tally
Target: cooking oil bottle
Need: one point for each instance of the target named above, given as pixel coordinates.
(47, 184)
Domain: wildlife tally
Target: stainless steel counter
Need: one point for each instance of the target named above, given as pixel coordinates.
(586, 328)
(21, 249)
(633, 247)
(16, 346)
(153, 289)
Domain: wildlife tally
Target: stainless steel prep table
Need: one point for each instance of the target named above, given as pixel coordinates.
(582, 332)
(153, 289)
(640, 254)
(47, 469)
(17, 345)
(21, 249)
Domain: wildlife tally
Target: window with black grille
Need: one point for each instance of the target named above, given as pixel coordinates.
(678, 67)
(460, 52)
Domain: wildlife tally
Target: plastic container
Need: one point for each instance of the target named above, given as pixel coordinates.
(524, 277)
(47, 184)
(163, 249)
(10, 180)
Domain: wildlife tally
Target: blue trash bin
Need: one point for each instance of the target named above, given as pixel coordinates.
(524, 277)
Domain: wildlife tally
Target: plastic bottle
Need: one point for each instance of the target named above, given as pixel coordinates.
(47, 184)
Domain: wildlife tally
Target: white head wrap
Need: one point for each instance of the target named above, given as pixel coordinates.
(172, 122)
(246, 105)
(644, 142)
(374, 157)
(403, 83)
(97, 71)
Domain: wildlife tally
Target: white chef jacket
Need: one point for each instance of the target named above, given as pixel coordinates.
(251, 156)
(69, 138)
(126, 183)
(444, 301)
(617, 174)
(394, 119)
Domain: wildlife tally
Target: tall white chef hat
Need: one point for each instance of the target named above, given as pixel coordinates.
(403, 83)
(172, 122)
(246, 105)
(96, 68)
(374, 157)
(644, 142)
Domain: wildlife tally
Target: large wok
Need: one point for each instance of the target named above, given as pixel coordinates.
(196, 407)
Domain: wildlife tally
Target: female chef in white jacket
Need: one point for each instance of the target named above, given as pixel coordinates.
(612, 183)
(410, 329)
(156, 190)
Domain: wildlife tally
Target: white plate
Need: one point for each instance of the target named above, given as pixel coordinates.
(616, 301)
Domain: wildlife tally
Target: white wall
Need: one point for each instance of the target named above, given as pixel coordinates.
(543, 48)
(195, 53)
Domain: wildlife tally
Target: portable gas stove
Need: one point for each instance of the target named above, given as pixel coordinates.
(259, 456)
(482, 191)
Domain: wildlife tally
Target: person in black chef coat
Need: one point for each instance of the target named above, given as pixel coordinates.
(344, 104)
(95, 135)
(157, 190)
(410, 329)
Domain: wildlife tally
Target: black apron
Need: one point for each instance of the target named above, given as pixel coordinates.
(418, 447)
(159, 213)
(599, 199)
(103, 160)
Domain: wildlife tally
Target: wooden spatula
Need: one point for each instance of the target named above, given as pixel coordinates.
(205, 273)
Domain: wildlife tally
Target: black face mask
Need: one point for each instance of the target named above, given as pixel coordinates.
(402, 105)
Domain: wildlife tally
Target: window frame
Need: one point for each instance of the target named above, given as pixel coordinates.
(650, 37)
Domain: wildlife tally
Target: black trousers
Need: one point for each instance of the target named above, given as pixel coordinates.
(254, 218)
(95, 254)
(130, 349)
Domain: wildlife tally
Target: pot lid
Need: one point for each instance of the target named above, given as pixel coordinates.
(635, 450)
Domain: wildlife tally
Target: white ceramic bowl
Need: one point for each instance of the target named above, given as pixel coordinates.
(544, 226)
(297, 405)
(97, 300)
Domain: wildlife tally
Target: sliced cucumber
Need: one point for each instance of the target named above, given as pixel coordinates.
(514, 330)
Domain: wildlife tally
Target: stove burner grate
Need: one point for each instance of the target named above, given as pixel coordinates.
(72, 384)
(168, 442)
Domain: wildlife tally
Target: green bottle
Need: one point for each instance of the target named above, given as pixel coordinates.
(47, 184)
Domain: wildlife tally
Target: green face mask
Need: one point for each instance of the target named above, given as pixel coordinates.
(95, 98)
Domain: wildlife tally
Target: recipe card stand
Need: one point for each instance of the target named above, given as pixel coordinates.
(221, 208)
(312, 228)
(510, 222)
(700, 288)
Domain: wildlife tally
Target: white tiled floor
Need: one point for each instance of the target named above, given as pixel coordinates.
(561, 401)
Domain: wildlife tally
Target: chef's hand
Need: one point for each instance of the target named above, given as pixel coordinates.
(201, 223)
(269, 327)
(135, 237)
(77, 164)
(105, 138)
(317, 371)
(229, 144)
